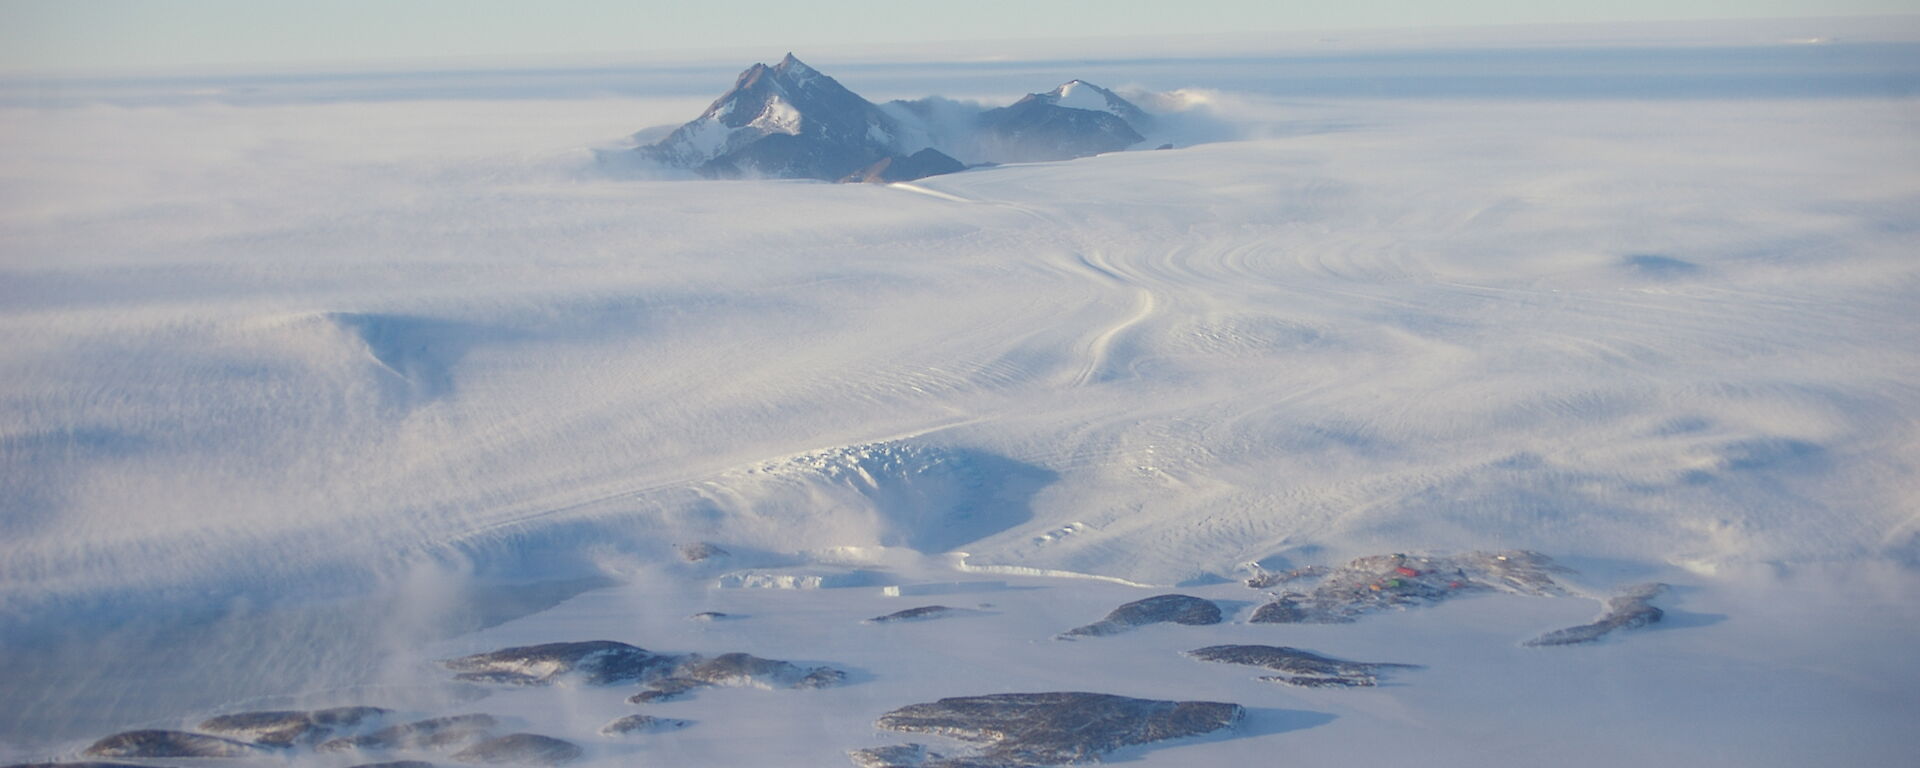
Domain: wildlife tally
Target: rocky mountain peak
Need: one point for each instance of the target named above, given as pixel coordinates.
(789, 120)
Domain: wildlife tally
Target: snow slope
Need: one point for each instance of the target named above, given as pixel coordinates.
(268, 360)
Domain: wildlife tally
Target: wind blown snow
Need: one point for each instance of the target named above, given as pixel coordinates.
(310, 351)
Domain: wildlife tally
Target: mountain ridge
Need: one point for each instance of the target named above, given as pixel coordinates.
(789, 120)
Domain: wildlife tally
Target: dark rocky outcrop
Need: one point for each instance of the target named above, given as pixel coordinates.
(921, 164)
(667, 689)
(288, 727)
(1399, 582)
(642, 724)
(1177, 609)
(741, 669)
(710, 616)
(1038, 128)
(520, 749)
(157, 743)
(1018, 730)
(396, 764)
(701, 551)
(594, 662)
(1299, 668)
(80, 764)
(922, 613)
(432, 733)
(1631, 610)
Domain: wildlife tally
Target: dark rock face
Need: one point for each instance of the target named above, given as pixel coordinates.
(921, 164)
(790, 121)
(153, 743)
(710, 616)
(738, 669)
(1016, 730)
(1300, 668)
(784, 121)
(596, 662)
(1631, 610)
(1399, 582)
(1035, 129)
(285, 728)
(922, 613)
(433, 733)
(1178, 609)
(667, 689)
(520, 749)
(701, 550)
(396, 764)
(642, 724)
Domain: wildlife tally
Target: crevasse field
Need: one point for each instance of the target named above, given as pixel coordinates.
(310, 380)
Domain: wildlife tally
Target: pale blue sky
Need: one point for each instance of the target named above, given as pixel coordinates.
(138, 34)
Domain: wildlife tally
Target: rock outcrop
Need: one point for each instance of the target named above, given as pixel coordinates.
(1399, 582)
(1176, 609)
(1631, 610)
(921, 164)
(632, 724)
(594, 662)
(432, 733)
(742, 669)
(520, 749)
(159, 743)
(288, 727)
(922, 613)
(1019, 730)
(1300, 668)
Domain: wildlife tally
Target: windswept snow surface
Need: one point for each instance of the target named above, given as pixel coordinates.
(294, 390)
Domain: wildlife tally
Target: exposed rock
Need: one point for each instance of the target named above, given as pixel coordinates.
(396, 764)
(432, 733)
(596, 662)
(1382, 582)
(710, 616)
(701, 550)
(1301, 668)
(921, 164)
(520, 749)
(643, 724)
(287, 727)
(1038, 128)
(897, 756)
(156, 743)
(1287, 609)
(1016, 730)
(741, 669)
(922, 613)
(1630, 610)
(790, 121)
(1178, 609)
(667, 689)
(784, 121)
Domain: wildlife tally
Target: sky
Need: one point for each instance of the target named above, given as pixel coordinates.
(56, 35)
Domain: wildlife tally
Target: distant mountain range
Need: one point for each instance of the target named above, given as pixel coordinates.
(790, 121)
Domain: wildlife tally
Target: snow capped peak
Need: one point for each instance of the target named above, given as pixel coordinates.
(1075, 94)
(1080, 94)
(794, 68)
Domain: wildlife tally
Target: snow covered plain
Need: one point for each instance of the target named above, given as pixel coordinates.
(308, 383)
